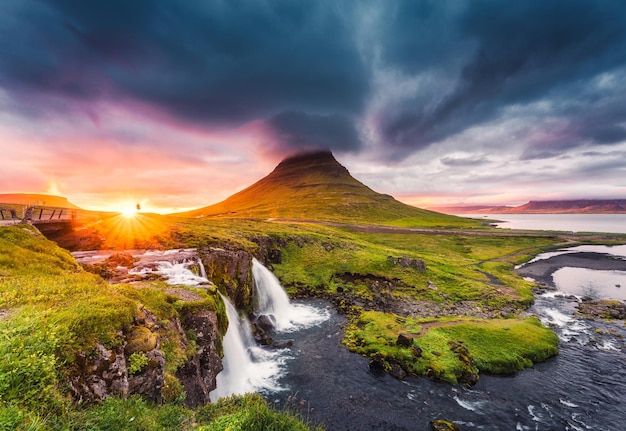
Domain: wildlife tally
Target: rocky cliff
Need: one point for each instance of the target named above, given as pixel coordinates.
(138, 364)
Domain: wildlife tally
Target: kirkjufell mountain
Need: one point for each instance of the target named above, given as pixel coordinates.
(315, 186)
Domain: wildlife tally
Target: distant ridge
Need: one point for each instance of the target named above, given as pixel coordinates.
(577, 206)
(36, 199)
(315, 186)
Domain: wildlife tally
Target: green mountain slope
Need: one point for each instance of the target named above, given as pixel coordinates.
(314, 186)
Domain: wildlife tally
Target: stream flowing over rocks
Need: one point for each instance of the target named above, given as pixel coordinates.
(310, 371)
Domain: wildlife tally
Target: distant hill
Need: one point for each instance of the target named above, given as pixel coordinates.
(315, 186)
(36, 199)
(579, 206)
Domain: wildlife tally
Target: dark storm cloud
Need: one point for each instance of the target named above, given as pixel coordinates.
(309, 68)
(210, 62)
(524, 52)
(302, 130)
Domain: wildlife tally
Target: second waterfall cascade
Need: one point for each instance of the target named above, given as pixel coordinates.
(247, 366)
(273, 300)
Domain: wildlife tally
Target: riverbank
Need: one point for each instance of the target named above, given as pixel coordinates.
(541, 270)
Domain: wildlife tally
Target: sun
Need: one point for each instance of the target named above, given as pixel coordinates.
(129, 212)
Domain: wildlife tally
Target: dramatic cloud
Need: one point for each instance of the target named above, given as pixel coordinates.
(422, 97)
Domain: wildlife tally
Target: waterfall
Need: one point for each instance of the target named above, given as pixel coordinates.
(273, 300)
(247, 367)
(202, 270)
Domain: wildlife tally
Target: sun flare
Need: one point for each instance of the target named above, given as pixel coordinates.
(129, 212)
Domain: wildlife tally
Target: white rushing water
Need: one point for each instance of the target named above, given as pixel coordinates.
(202, 269)
(273, 301)
(179, 273)
(247, 367)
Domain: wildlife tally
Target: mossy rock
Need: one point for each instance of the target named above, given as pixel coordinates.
(443, 425)
(141, 339)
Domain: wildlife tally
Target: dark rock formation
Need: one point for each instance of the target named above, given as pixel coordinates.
(105, 372)
(231, 269)
(263, 328)
(602, 309)
(377, 364)
(150, 381)
(101, 374)
(404, 341)
(408, 262)
(198, 374)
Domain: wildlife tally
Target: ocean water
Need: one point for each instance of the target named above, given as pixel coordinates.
(614, 223)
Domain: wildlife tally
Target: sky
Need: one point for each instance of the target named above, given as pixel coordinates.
(179, 104)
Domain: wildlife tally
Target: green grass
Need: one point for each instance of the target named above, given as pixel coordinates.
(452, 348)
(247, 412)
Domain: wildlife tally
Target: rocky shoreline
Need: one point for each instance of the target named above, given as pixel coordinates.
(541, 271)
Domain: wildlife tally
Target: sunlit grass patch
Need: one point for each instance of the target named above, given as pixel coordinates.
(452, 348)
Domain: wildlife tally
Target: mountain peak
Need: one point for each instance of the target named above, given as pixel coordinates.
(310, 168)
(313, 186)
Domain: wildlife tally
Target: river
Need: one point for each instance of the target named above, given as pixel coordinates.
(582, 388)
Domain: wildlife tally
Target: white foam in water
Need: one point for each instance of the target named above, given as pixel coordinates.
(608, 345)
(568, 326)
(273, 300)
(535, 416)
(555, 317)
(247, 368)
(474, 406)
(179, 273)
(567, 403)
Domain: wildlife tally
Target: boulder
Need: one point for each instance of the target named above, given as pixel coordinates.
(282, 344)
(140, 339)
(377, 364)
(444, 425)
(416, 352)
(408, 262)
(263, 329)
(265, 322)
(404, 341)
(397, 372)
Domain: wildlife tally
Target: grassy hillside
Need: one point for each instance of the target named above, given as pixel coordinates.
(316, 187)
(50, 309)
